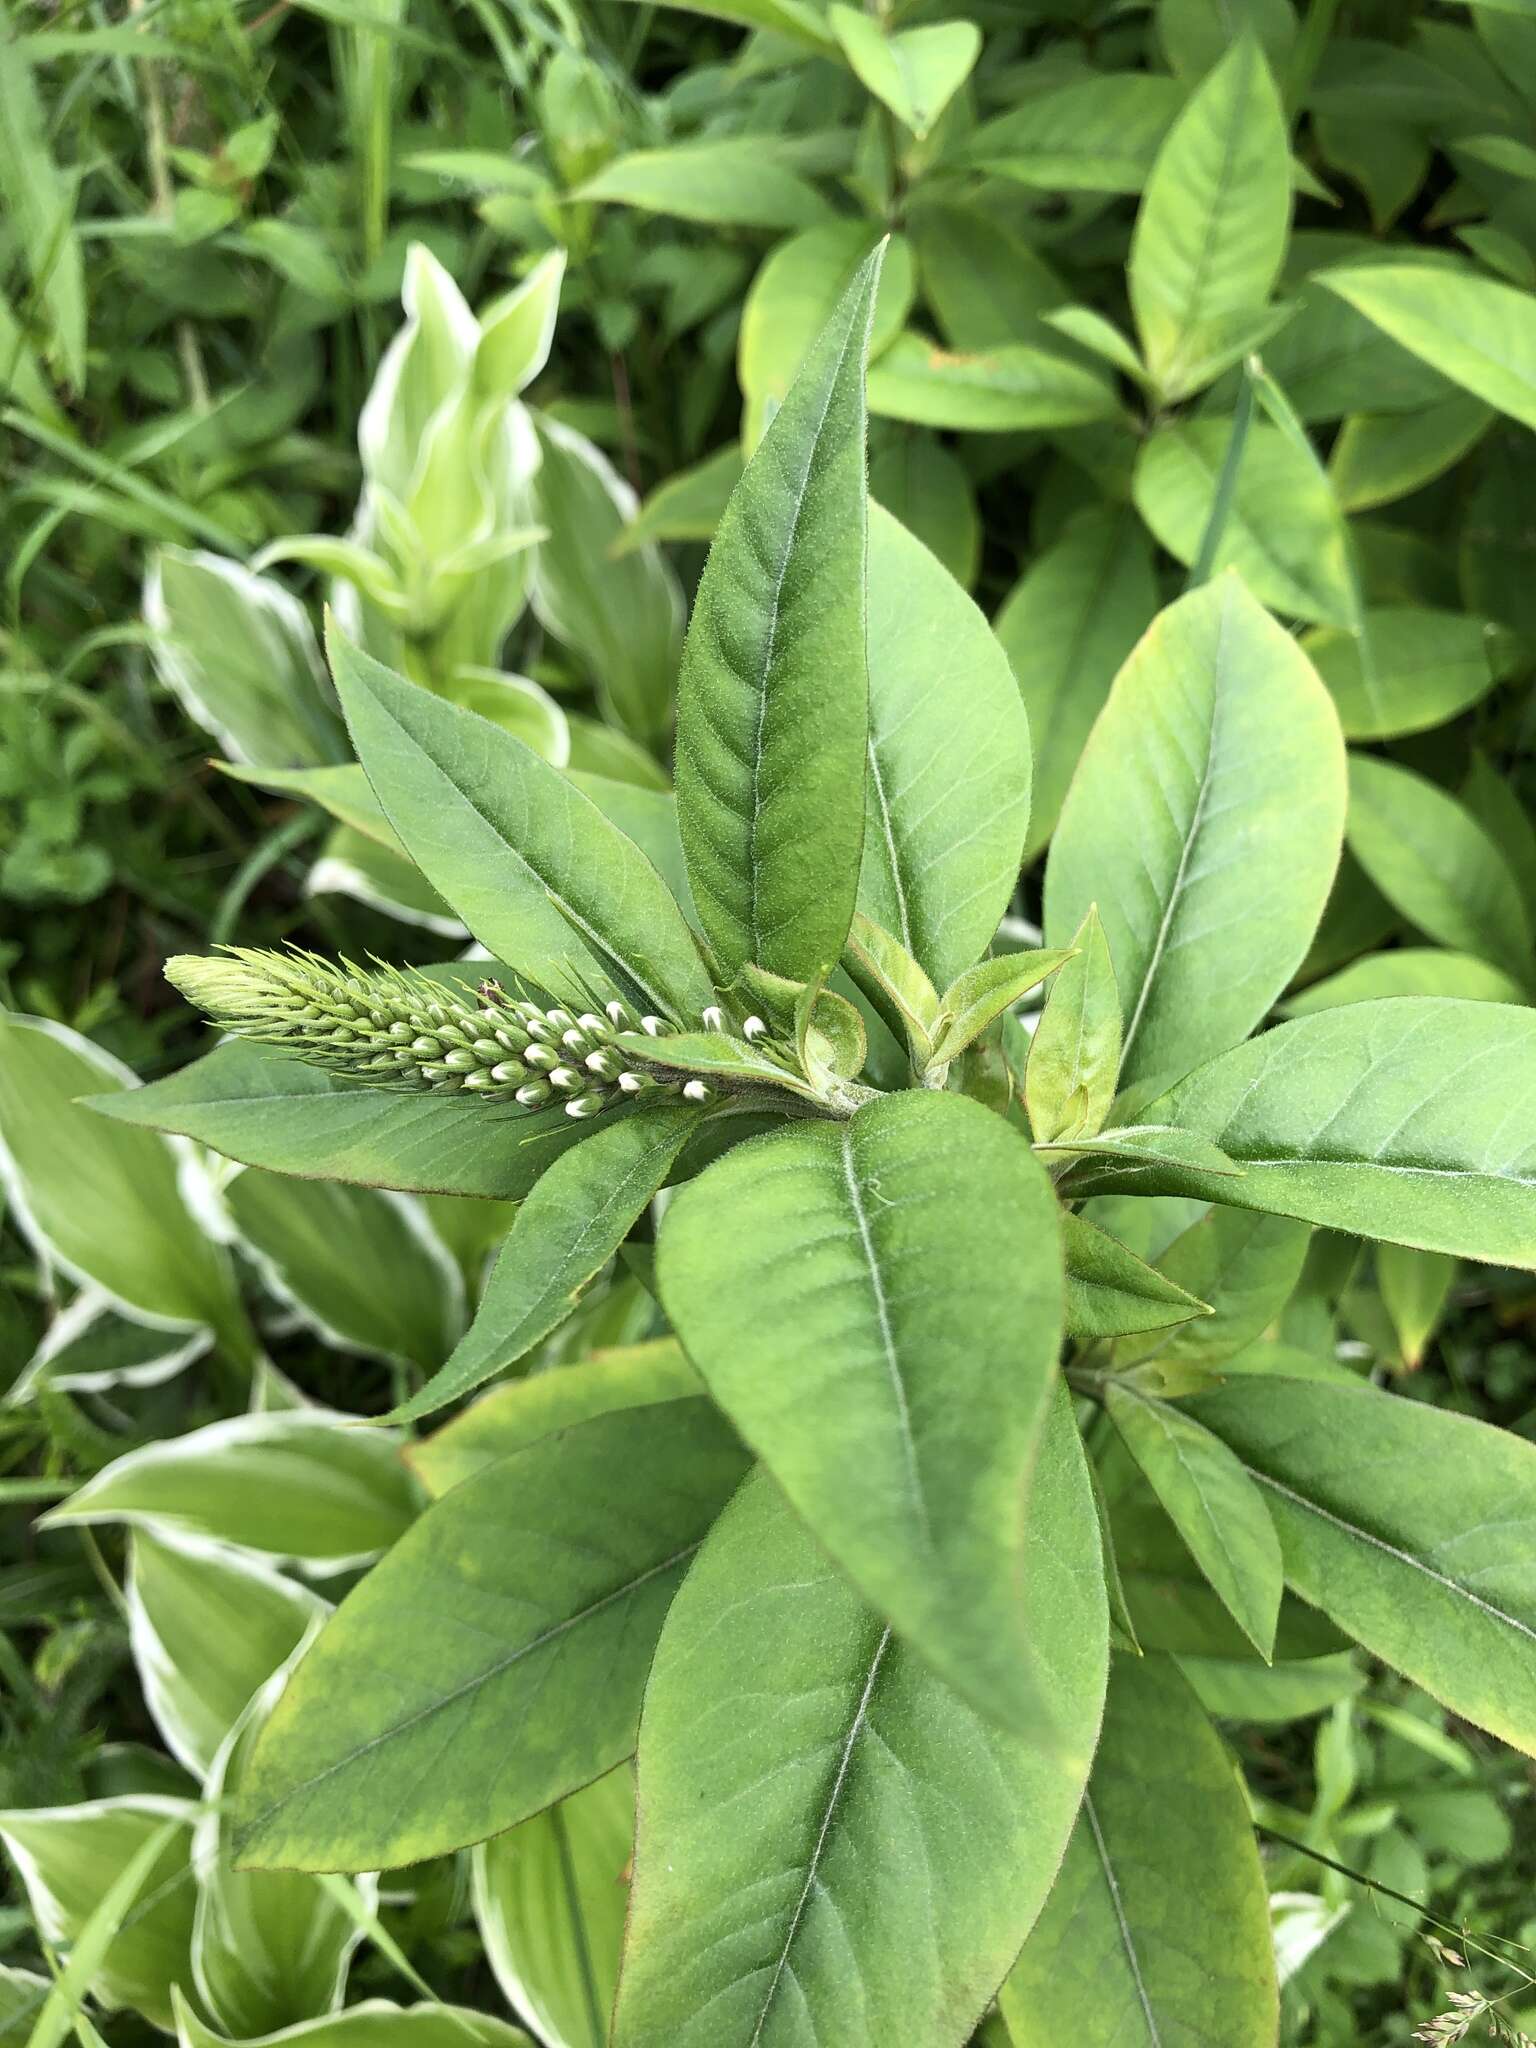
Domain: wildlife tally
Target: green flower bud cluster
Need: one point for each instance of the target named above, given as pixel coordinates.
(394, 1028)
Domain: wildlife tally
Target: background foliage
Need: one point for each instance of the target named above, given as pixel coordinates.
(208, 216)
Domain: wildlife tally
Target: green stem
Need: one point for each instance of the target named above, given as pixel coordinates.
(258, 863)
(1308, 52)
(1226, 485)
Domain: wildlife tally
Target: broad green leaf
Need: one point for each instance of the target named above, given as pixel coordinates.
(1494, 799)
(985, 283)
(1204, 821)
(946, 801)
(104, 1202)
(1067, 626)
(1232, 1689)
(1196, 34)
(270, 1948)
(520, 1413)
(1434, 862)
(1407, 1119)
(985, 392)
(687, 506)
(526, 860)
(1283, 530)
(1212, 1503)
(1408, 1526)
(1074, 1055)
(89, 1347)
(208, 1628)
(916, 72)
(1211, 232)
(793, 296)
(922, 483)
(734, 182)
(1407, 971)
(362, 1268)
(1480, 334)
(239, 653)
(1415, 1287)
(495, 1660)
(621, 615)
(1097, 134)
(986, 992)
(131, 1851)
(300, 1485)
(1379, 457)
(877, 1306)
(1125, 1954)
(776, 645)
(550, 1901)
(569, 1227)
(887, 1849)
(269, 1110)
(1246, 1265)
(1425, 666)
(373, 2024)
(1110, 1292)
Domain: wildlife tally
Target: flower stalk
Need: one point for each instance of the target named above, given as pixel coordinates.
(394, 1028)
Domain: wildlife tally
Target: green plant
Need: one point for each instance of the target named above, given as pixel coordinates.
(897, 1628)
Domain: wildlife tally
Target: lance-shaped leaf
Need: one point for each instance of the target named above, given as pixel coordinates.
(886, 1850)
(982, 994)
(1412, 1528)
(1480, 334)
(776, 649)
(1212, 1503)
(1410, 1118)
(1111, 1292)
(495, 1661)
(570, 1226)
(1067, 626)
(1157, 1929)
(268, 1109)
(947, 802)
(1434, 860)
(1211, 232)
(1246, 1265)
(535, 870)
(877, 1305)
(1074, 1056)
(1205, 821)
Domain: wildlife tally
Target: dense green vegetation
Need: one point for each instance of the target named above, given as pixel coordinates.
(1076, 1135)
